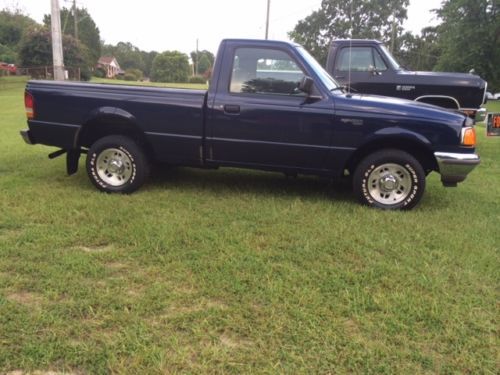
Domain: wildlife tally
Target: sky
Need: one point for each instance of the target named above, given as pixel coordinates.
(162, 25)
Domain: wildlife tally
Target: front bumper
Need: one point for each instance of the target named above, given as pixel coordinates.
(454, 167)
(27, 137)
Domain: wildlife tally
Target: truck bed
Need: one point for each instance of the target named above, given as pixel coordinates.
(65, 108)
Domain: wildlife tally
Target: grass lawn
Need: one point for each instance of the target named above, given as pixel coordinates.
(155, 84)
(234, 271)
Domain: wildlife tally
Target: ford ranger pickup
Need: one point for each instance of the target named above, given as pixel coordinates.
(269, 106)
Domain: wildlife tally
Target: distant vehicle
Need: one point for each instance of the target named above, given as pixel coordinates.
(496, 96)
(371, 69)
(11, 68)
(269, 106)
(489, 96)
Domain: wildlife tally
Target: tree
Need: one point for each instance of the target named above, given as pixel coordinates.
(36, 50)
(13, 26)
(372, 19)
(203, 64)
(127, 55)
(7, 55)
(170, 66)
(418, 52)
(88, 32)
(203, 61)
(469, 37)
(148, 58)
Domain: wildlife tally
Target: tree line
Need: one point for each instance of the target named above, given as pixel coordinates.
(28, 44)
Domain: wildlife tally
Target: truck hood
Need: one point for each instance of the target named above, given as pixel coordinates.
(443, 78)
(395, 108)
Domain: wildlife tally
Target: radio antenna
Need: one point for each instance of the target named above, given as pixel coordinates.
(350, 52)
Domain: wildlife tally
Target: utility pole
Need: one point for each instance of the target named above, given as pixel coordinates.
(267, 18)
(57, 51)
(196, 64)
(394, 31)
(75, 18)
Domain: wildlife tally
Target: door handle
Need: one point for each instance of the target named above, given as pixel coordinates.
(232, 109)
(339, 77)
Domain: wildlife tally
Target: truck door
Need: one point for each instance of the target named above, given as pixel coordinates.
(365, 69)
(259, 118)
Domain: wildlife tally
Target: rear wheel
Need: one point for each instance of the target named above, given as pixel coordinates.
(389, 179)
(116, 164)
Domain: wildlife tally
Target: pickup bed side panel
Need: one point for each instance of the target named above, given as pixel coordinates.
(170, 119)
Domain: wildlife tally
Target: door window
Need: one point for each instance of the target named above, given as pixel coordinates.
(265, 71)
(360, 59)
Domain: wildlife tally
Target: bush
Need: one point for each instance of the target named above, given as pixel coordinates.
(197, 79)
(129, 77)
(85, 73)
(134, 74)
(7, 54)
(170, 66)
(100, 73)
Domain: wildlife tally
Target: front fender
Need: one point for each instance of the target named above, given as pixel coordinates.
(397, 133)
(395, 138)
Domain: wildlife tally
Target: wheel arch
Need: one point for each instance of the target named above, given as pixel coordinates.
(106, 121)
(414, 144)
(444, 101)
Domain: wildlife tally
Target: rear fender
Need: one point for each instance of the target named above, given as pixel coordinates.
(106, 121)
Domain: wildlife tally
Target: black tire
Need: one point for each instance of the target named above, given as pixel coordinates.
(116, 164)
(389, 179)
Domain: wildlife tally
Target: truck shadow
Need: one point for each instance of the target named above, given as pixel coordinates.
(241, 181)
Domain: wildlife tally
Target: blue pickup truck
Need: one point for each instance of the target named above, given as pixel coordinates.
(270, 106)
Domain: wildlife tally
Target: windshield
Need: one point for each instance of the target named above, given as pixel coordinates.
(391, 59)
(326, 78)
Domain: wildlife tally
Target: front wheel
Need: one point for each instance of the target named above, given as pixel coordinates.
(389, 179)
(116, 164)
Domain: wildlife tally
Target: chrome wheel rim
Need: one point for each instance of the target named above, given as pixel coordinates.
(389, 183)
(114, 167)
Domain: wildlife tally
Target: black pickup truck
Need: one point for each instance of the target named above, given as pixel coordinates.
(270, 106)
(366, 66)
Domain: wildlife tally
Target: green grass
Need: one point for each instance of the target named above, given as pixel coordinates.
(493, 106)
(155, 84)
(234, 271)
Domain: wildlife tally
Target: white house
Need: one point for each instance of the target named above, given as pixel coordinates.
(110, 65)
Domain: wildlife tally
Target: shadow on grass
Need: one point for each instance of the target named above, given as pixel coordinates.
(241, 181)
(223, 181)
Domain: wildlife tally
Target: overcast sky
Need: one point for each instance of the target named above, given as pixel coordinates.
(175, 25)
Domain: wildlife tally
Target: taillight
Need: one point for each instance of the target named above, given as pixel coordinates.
(469, 136)
(29, 104)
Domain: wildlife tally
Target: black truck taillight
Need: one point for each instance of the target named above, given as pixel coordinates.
(29, 104)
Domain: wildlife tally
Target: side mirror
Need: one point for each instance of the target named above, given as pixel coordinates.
(374, 71)
(306, 85)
